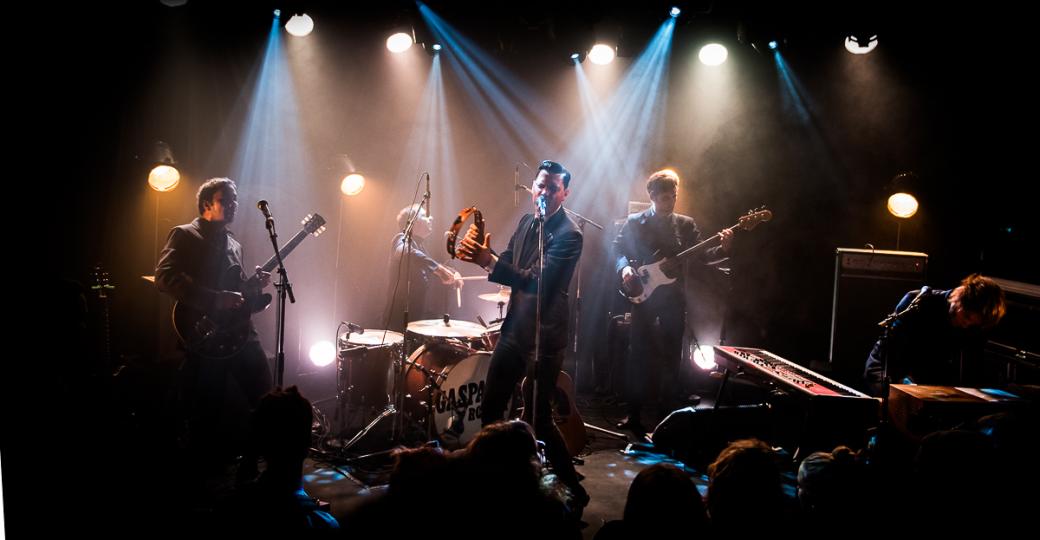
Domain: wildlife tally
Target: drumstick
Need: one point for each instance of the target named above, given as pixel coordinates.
(458, 296)
(469, 278)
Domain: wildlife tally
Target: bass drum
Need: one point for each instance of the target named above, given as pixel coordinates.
(451, 378)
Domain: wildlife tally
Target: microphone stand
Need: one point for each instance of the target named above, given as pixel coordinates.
(582, 220)
(284, 287)
(540, 221)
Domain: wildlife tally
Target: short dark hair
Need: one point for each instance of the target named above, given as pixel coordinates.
(553, 167)
(982, 295)
(209, 188)
(662, 180)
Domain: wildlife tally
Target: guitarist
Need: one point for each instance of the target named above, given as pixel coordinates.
(192, 268)
(658, 324)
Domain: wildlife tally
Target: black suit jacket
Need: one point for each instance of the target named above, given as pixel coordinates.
(517, 267)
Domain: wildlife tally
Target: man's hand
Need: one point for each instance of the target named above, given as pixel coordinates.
(630, 281)
(726, 237)
(262, 278)
(474, 249)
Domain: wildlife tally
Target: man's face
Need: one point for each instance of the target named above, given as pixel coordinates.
(423, 225)
(960, 317)
(551, 185)
(664, 200)
(222, 208)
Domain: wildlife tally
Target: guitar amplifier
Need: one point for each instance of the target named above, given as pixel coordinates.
(867, 286)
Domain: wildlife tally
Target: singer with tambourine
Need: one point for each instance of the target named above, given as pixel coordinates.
(551, 233)
(936, 337)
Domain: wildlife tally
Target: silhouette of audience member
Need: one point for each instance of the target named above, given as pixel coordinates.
(420, 481)
(663, 502)
(745, 493)
(833, 489)
(281, 435)
(502, 469)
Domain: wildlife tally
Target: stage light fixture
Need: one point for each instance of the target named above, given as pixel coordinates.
(861, 43)
(352, 184)
(322, 353)
(674, 12)
(399, 42)
(713, 54)
(300, 25)
(601, 54)
(164, 175)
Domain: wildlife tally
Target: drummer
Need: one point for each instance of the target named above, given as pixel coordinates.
(415, 278)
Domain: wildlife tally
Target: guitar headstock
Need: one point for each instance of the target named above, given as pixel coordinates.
(314, 224)
(754, 217)
(101, 282)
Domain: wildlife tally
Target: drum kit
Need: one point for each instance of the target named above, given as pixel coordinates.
(431, 377)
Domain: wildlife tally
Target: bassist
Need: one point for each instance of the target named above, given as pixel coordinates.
(658, 323)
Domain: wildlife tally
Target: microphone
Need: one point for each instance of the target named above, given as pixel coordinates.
(541, 205)
(428, 211)
(354, 328)
(913, 306)
(266, 210)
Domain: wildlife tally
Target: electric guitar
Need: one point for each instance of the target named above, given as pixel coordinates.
(222, 333)
(664, 271)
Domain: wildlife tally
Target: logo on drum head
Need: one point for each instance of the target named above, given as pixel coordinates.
(463, 397)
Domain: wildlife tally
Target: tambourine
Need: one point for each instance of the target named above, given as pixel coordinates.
(456, 226)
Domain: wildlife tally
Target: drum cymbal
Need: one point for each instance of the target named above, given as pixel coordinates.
(372, 337)
(502, 296)
(453, 328)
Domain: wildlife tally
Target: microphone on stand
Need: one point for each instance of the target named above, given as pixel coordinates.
(266, 210)
(429, 212)
(914, 304)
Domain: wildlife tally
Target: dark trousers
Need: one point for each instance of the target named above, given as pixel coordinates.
(509, 363)
(218, 396)
(655, 351)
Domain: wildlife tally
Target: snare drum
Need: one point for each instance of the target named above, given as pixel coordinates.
(451, 377)
(366, 366)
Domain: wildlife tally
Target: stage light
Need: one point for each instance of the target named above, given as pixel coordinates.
(773, 45)
(164, 178)
(399, 42)
(323, 353)
(675, 12)
(164, 175)
(704, 356)
(300, 25)
(352, 184)
(575, 56)
(902, 205)
(437, 46)
(601, 54)
(277, 14)
(861, 43)
(713, 54)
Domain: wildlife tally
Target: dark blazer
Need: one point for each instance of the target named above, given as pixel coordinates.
(194, 262)
(517, 267)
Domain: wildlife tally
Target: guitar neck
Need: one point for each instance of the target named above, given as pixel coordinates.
(286, 250)
(701, 244)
